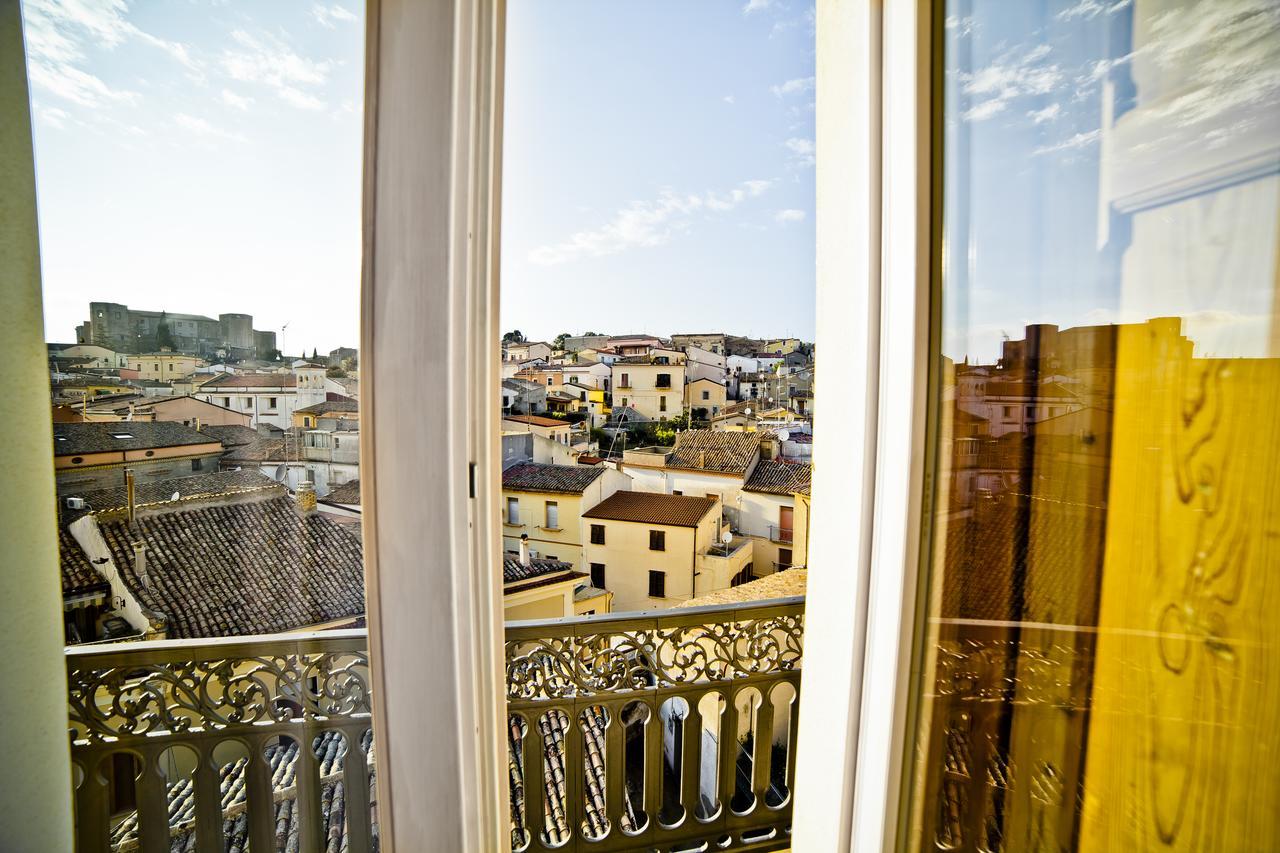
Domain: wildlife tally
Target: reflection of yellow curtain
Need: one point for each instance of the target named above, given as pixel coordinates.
(1185, 720)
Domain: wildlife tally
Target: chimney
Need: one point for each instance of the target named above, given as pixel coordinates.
(140, 564)
(702, 459)
(129, 492)
(524, 549)
(306, 497)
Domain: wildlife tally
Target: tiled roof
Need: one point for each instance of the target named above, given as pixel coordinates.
(251, 380)
(97, 437)
(719, 452)
(513, 572)
(280, 447)
(162, 491)
(249, 567)
(780, 478)
(331, 752)
(538, 477)
(783, 584)
(535, 420)
(78, 576)
(231, 435)
(331, 406)
(650, 508)
(347, 493)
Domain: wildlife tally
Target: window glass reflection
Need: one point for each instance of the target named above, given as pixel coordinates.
(1099, 658)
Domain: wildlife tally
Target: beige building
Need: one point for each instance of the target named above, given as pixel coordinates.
(654, 551)
(534, 588)
(772, 511)
(542, 505)
(705, 398)
(94, 455)
(556, 430)
(653, 387)
(164, 366)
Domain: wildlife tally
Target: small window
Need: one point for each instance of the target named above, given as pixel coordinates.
(657, 540)
(553, 516)
(597, 575)
(513, 511)
(784, 558)
(677, 492)
(657, 584)
(706, 395)
(597, 534)
(76, 460)
(195, 464)
(664, 380)
(121, 435)
(59, 438)
(662, 403)
(171, 367)
(271, 402)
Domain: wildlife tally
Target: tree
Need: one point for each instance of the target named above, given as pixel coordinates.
(513, 337)
(335, 373)
(164, 338)
(558, 343)
(315, 354)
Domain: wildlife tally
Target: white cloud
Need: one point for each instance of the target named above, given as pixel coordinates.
(1079, 140)
(52, 116)
(802, 151)
(269, 62)
(644, 224)
(231, 99)
(57, 34)
(791, 214)
(327, 15)
(728, 99)
(1089, 9)
(995, 86)
(793, 87)
(756, 6)
(202, 127)
(1049, 113)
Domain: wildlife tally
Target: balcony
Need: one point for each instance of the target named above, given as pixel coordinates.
(781, 535)
(249, 739)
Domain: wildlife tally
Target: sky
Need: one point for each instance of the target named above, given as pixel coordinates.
(200, 157)
(204, 156)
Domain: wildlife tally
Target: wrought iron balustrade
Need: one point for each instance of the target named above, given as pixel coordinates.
(215, 745)
(785, 535)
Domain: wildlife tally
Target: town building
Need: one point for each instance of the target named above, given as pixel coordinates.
(653, 388)
(543, 505)
(556, 430)
(653, 551)
(93, 455)
(711, 342)
(527, 351)
(270, 398)
(767, 513)
(164, 366)
(577, 343)
(704, 398)
(122, 329)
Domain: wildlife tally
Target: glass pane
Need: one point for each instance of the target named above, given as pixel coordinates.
(1099, 651)
(198, 180)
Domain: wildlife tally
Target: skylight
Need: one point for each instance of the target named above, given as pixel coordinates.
(121, 435)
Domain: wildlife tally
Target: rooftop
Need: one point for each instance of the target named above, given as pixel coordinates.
(247, 567)
(536, 420)
(163, 491)
(251, 380)
(96, 437)
(347, 493)
(539, 477)
(718, 452)
(651, 508)
(331, 406)
(783, 584)
(78, 576)
(514, 572)
(780, 478)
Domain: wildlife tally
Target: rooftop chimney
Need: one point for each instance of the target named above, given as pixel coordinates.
(129, 492)
(524, 549)
(140, 564)
(306, 497)
(702, 459)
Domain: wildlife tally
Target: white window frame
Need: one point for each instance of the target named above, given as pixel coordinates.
(430, 296)
(874, 92)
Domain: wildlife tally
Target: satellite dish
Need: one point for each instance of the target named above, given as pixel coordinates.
(279, 477)
(783, 435)
(727, 536)
(176, 495)
(747, 411)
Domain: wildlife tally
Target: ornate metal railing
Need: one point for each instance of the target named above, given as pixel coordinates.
(224, 744)
(646, 730)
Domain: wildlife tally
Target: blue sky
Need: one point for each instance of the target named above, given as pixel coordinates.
(205, 157)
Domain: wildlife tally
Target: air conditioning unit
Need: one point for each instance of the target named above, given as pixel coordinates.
(77, 503)
(533, 555)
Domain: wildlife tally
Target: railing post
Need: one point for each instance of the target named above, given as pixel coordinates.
(208, 804)
(258, 797)
(153, 804)
(355, 786)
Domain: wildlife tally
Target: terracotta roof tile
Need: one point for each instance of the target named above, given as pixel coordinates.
(539, 477)
(249, 567)
(719, 452)
(536, 420)
(651, 508)
(251, 380)
(99, 437)
(78, 576)
(780, 478)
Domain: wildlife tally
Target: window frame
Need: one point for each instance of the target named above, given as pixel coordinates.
(878, 87)
(661, 540)
(660, 577)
